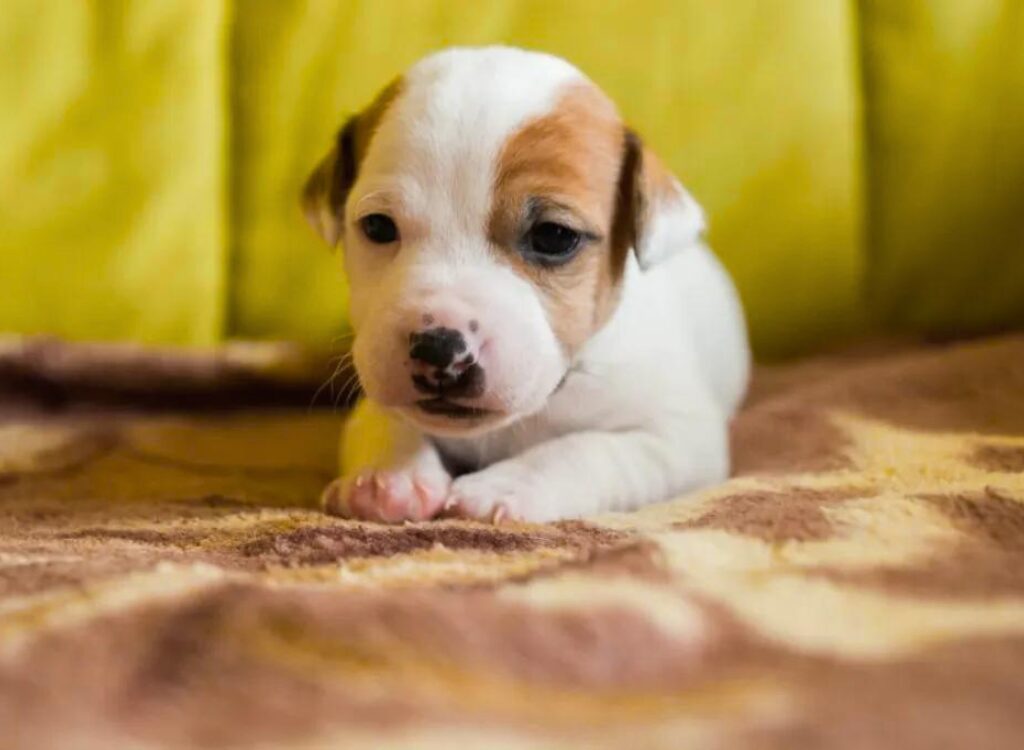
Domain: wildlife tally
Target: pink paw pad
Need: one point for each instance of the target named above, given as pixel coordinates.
(385, 496)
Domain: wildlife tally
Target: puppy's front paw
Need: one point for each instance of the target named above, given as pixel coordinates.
(389, 496)
(497, 494)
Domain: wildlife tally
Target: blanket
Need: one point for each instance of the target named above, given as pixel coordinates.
(166, 580)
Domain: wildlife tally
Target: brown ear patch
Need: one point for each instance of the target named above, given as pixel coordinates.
(629, 197)
(367, 122)
(647, 186)
(327, 188)
(658, 184)
(574, 157)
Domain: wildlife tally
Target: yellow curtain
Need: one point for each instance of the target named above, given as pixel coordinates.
(754, 105)
(945, 160)
(112, 169)
(859, 161)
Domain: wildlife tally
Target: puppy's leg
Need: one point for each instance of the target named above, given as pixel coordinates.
(390, 472)
(591, 472)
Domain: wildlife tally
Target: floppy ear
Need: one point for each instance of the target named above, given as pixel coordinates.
(325, 191)
(665, 217)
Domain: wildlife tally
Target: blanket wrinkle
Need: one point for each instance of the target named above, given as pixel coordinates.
(166, 580)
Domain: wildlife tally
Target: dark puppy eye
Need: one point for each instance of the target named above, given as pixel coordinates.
(379, 228)
(551, 241)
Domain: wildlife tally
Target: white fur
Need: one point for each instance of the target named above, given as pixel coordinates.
(431, 165)
(643, 412)
(673, 226)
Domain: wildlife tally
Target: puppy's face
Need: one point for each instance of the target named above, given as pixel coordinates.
(488, 201)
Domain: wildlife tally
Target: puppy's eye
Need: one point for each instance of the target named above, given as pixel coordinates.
(379, 229)
(552, 241)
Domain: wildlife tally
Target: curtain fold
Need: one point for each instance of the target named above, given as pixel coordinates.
(113, 221)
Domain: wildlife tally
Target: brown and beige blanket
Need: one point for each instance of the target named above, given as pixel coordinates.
(166, 582)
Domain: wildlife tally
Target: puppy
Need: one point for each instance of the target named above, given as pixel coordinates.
(539, 331)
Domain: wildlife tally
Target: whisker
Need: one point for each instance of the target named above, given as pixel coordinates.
(316, 394)
(346, 392)
(338, 363)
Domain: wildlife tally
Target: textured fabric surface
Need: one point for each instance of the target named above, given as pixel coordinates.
(859, 583)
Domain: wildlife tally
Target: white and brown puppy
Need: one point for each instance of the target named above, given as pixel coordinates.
(539, 330)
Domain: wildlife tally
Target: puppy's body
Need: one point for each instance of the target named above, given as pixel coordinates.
(642, 413)
(539, 329)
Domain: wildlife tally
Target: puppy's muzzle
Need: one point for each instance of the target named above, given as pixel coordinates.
(444, 365)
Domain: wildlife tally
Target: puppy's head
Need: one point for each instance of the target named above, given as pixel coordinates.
(488, 202)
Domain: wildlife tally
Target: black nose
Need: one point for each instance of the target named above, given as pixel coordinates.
(443, 365)
(437, 347)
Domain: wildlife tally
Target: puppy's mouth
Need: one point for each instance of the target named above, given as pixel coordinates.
(443, 407)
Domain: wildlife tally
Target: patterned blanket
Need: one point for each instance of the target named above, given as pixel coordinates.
(165, 582)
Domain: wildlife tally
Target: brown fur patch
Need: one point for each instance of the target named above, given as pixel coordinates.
(977, 387)
(142, 536)
(656, 187)
(792, 515)
(990, 517)
(325, 544)
(999, 458)
(787, 435)
(327, 188)
(574, 157)
(367, 121)
(989, 561)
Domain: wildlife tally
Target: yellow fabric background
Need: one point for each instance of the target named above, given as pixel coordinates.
(945, 147)
(151, 152)
(112, 221)
(755, 108)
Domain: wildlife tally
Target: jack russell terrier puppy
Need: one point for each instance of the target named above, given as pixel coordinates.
(540, 332)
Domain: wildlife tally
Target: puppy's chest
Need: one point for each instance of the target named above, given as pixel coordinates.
(463, 456)
(583, 403)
